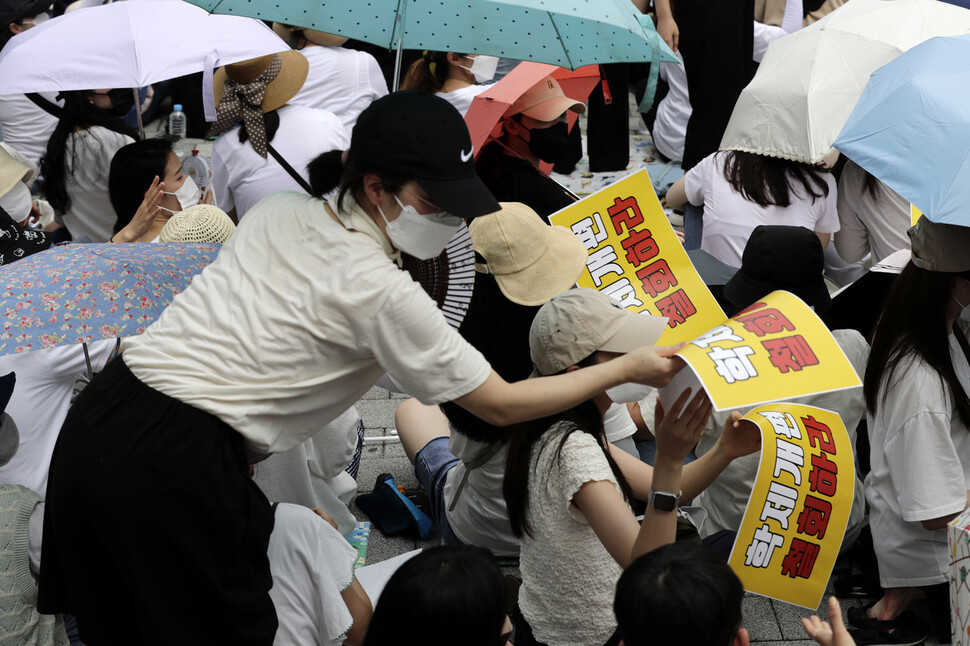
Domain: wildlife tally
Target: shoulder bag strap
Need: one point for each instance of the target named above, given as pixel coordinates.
(289, 169)
(50, 108)
(479, 460)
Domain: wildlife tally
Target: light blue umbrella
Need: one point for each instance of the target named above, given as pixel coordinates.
(566, 33)
(911, 128)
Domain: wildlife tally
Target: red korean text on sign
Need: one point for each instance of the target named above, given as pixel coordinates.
(800, 560)
(790, 353)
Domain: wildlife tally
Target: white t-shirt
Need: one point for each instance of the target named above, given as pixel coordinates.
(87, 163)
(39, 404)
(342, 81)
(729, 218)
(295, 320)
(876, 225)
(568, 577)
(242, 178)
(311, 565)
(462, 98)
(673, 112)
(920, 459)
(26, 126)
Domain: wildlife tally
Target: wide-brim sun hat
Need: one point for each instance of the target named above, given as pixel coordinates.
(545, 101)
(293, 72)
(531, 261)
(576, 323)
(413, 134)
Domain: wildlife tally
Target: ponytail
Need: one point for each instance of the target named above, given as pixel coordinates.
(325, 172)
(328, 172)
(428, 73)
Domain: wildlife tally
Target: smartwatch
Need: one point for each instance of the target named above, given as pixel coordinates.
(664, 500)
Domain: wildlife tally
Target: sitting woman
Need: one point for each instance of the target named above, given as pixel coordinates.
(534, 129)
(577, 530)
(456, 78)
(740, 190)
(916, 389)
(445, 595)
(137, 167)
(75, 167)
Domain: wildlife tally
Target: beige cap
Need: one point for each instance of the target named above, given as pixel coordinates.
(11, 172)
(576, 323)
(203, 223)
(940, 247)
(545, 101)
(531, 261)
(292, 75)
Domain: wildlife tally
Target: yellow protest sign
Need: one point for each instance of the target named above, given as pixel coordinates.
(635, 257)
(914, 213)
(799, 505)
(775, 350)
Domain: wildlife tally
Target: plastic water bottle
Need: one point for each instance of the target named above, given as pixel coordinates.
(176, 129)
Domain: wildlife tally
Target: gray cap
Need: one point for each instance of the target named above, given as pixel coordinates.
(577, 323)
(940, 247)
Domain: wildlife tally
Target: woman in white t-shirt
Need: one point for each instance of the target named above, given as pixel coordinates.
(740, 190)
(75, 166)
(916, 388)
(456, 78)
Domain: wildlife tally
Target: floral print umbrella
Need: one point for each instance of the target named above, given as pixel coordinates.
(87, 292)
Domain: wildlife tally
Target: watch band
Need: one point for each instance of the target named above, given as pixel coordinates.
(664, 500)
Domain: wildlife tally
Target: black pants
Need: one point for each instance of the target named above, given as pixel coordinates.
(153, 533)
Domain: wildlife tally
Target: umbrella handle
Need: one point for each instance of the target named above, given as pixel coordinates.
(607, 95)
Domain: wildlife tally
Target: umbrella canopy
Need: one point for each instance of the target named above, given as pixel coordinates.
(128, 44)
(567, 34)
(911, 128)
(809, 81)
(486, 111)
(86, 292)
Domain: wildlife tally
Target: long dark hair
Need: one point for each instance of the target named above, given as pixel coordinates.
(428, 73)
(769, 181)
(583, 418)
(450, 594)
(913, 323)
(133, 168)
(77, 115)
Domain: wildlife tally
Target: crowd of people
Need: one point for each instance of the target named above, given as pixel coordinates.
(196, 491)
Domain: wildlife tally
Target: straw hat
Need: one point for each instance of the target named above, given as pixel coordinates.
(278, 91)
(200, 223)
(531, 261)
(11, 172)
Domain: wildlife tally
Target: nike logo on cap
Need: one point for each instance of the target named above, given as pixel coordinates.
(466, 156)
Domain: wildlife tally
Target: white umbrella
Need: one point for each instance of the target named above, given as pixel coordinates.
(128, 44)
(809, 81)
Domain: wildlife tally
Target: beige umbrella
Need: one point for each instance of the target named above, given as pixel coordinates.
(809, 81)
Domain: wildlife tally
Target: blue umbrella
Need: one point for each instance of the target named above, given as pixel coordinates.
(86, 292)
(911, 128)
(566, 33)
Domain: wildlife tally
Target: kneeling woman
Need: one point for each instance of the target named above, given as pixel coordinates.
(301, 313)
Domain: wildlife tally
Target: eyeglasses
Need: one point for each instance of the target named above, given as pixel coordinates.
(432, 205)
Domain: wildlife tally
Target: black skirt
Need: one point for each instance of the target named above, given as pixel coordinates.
(153, 533)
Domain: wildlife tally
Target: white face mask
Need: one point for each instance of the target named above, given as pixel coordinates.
(17, 202)
(422, 236)
(625, 393)
(188, 195)
(483, 68)
(964, 310)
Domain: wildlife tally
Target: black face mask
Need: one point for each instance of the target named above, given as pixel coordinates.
(122, 100)
(550, 144)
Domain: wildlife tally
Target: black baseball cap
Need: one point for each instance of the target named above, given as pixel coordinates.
(780, 257)
(12, 11)
(418, 135)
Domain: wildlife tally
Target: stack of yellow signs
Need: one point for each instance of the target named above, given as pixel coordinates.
(799, 506)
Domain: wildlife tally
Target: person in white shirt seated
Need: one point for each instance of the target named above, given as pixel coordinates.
(266, 149)
(138, 172)
(456, 78)
(343, 81)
